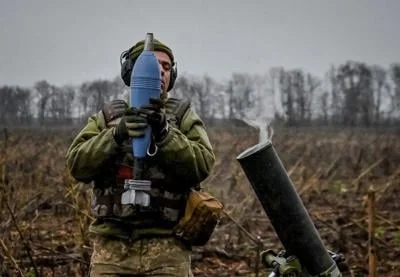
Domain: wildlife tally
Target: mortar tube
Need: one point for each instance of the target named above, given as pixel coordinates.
(284, 208)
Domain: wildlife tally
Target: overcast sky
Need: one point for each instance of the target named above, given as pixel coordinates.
(68, 42)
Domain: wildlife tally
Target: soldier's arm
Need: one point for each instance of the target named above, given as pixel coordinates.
(188, 152)
(91, 149)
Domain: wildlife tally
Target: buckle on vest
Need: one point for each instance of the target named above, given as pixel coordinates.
(137, 192)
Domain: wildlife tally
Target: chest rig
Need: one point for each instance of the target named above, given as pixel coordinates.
(167, 194)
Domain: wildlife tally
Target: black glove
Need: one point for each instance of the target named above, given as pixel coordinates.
(132, 125)
(155, 115)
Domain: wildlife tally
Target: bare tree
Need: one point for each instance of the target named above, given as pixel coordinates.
(60, 104)
(323, 103)
(297, 91)
(15, 105)
(23, 111)
(395, 95)
(336, 104)
(93, 95)
(287, 96)
(240, 93)
(355, 80)
(44, 91)
(201, 91)
(272, 79)
(380, 88)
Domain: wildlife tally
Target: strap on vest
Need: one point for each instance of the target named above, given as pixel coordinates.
(157, 201)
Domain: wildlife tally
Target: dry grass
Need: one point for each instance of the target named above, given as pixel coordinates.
(44, 214)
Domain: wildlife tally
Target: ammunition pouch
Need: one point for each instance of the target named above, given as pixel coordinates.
(201, 216)
(117, 203)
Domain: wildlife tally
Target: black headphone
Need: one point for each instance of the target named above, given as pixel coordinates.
(127, 66)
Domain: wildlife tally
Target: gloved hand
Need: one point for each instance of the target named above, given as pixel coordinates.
(132, 125)
(155, 115)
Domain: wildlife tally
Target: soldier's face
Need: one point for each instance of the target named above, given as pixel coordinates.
(165, 66)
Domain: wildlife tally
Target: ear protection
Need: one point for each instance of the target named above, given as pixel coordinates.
(127, 66)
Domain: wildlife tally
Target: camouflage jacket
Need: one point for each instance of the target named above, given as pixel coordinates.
(185, 155)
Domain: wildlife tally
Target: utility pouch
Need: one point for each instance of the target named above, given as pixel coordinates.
(201, 216)
(136, 192)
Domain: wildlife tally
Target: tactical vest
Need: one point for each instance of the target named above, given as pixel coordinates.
(167, 196)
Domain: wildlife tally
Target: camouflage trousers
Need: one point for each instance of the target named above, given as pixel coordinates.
(145, 257)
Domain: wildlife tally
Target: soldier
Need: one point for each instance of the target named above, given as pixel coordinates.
(130, 241)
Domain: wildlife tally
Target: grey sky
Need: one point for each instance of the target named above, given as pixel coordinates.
(68, 42)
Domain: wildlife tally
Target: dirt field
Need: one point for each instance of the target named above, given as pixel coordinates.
(44, 214)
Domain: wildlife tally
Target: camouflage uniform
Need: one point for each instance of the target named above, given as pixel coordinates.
(185, 157)
(145, 257)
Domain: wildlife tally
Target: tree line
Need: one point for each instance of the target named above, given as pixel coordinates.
(350, 94)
